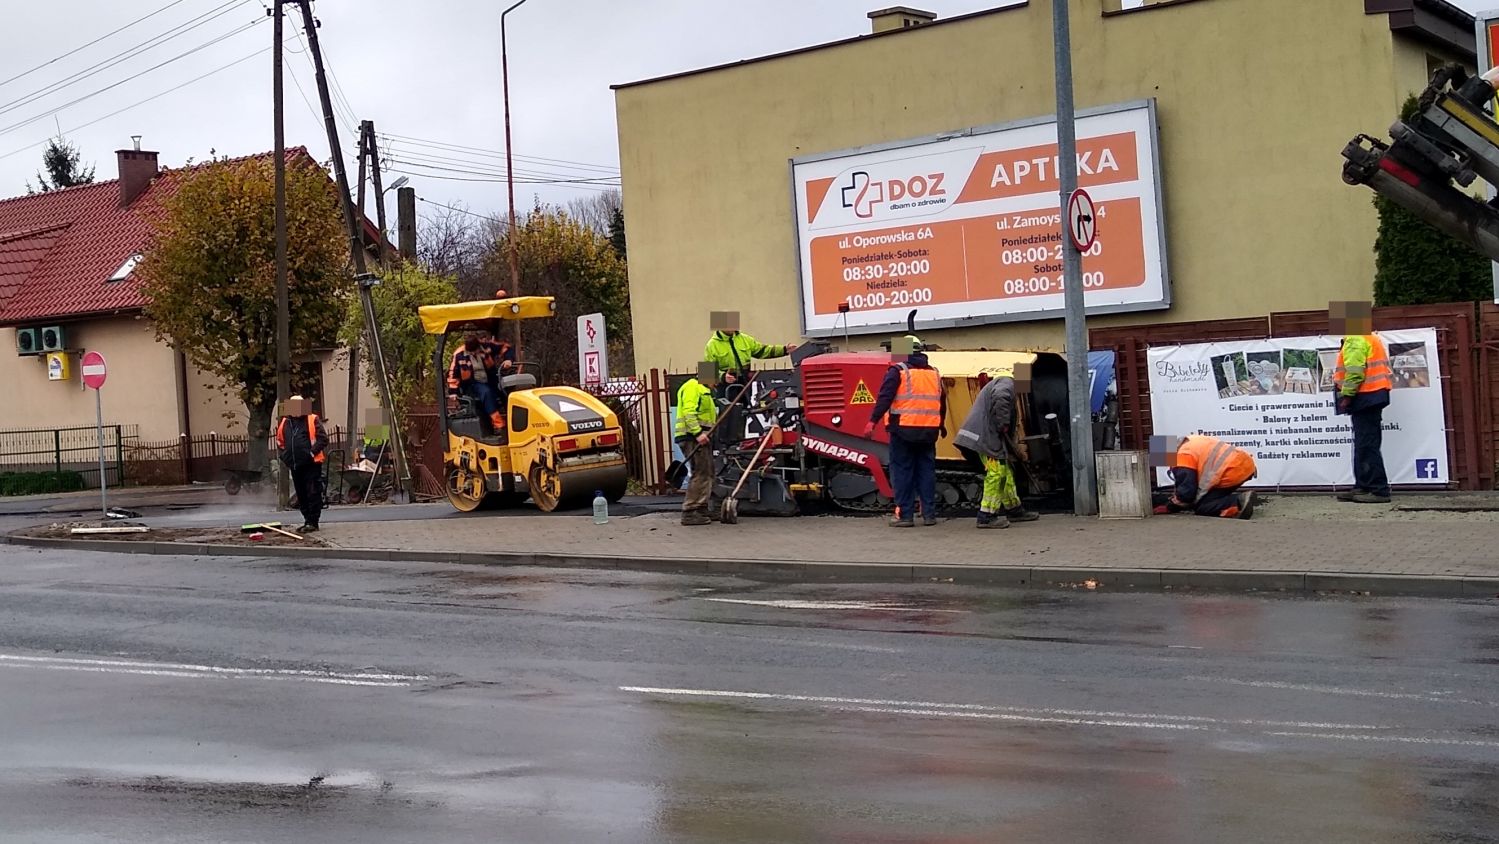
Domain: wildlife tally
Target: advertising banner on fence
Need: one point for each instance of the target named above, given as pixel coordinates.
(1274, 398)
(967, 228)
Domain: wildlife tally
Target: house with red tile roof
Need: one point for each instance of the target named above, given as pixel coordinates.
(67, 281)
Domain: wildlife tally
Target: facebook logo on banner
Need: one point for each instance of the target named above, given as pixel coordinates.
(1426, 469)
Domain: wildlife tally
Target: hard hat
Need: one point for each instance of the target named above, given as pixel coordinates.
(296, 398)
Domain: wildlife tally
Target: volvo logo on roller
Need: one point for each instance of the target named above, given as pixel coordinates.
(837, 452)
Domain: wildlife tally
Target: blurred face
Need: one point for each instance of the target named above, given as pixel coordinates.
(1350, 318)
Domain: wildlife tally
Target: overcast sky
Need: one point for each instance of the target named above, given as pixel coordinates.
(428, 72)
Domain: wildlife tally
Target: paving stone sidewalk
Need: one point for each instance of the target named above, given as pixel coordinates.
(1292, 535)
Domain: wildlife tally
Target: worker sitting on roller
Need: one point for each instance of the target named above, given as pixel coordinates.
(475, 378)
(499, 353)
(988, 438)
(731, 350)
(1207, 474)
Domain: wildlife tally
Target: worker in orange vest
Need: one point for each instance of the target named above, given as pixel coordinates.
(1363, 380)
(476, 375)
(912, 397)
(1206, 473)
(304, 444)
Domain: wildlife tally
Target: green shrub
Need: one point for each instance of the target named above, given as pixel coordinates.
(39, 483)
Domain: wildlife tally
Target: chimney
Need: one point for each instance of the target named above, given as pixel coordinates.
(899, 17)
(137, 168)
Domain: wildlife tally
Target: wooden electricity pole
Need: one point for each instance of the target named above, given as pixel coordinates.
(365, 279)
(283, 306)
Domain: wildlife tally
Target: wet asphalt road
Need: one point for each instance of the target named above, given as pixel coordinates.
(235, 700)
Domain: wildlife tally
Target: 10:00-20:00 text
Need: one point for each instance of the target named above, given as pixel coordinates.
(889, 298)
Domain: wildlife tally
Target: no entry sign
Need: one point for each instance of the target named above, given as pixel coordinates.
(94, 370)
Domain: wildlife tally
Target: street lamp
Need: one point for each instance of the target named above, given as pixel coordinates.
(397, 184)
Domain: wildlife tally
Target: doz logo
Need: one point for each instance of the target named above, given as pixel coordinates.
(863, 194)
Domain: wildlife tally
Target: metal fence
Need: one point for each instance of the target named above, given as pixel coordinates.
(67, 450)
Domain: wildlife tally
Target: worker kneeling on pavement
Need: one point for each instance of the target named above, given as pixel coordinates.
(988, 438)
(1207, 475)
(697, 412)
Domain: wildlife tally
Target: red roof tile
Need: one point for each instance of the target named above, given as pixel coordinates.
(58, 249)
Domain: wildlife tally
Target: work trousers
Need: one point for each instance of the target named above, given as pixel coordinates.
(913, 474)
(1214, 502)
(307, 480)
(1368, 461)
(999, 486)
(488, 396)
(700, 484)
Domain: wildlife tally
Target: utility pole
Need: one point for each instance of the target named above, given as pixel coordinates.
(510, 167)
(351, 417)
(283, 306)
(1079, 394)
(374, 153)
(362, 275)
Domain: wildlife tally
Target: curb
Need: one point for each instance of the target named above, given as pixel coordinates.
(1311, 582)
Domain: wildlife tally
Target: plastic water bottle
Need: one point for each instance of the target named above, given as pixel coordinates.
(600, 508)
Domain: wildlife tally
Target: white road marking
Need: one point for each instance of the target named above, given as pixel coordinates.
(1430, 697)
(1394, 739)
(1153, 720)
(210, 672)
(793, 604)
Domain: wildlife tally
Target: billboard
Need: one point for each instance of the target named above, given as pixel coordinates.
(1274, 399)
(966, 227)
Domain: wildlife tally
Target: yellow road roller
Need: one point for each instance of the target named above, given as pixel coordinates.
(558, 445)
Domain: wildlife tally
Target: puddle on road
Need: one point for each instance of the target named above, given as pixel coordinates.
(316, 793)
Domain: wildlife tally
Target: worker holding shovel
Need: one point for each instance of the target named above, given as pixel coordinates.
(697, 411)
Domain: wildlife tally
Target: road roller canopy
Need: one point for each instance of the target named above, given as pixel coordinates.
(440, 319)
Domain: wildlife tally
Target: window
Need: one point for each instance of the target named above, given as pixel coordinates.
(126, 268)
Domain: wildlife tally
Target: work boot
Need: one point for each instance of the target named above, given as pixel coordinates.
(1018, 513)
(307, 528)
(928, 520)
(902, 521)
(992, 520)
(1370, 498)
(1246, 504)
(1348, 495)
(692, 518)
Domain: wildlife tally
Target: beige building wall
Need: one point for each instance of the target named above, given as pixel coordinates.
(141, 388)
(1256, 100)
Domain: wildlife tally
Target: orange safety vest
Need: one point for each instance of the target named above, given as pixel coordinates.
(1219, 465)
(919, 401)
(311, 435)
(1377, 372)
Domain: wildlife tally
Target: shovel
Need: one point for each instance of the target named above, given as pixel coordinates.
(677, 471)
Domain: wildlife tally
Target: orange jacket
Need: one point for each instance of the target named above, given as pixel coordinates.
(317, 441)
(1213, 463)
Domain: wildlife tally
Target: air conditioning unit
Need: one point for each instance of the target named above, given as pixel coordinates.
(28, 341)
(52, 338)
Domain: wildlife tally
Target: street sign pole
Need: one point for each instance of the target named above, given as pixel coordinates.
(93, 369)
(1084, 482)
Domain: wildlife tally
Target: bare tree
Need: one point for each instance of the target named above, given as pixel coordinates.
(455, 243)
(596, 211)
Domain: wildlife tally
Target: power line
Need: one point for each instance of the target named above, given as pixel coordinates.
(490, 153)
(124, 56)
(601, 180)
(485, 168)
(75, 50)
(464, 211)
(114, 85)
(139, 103)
